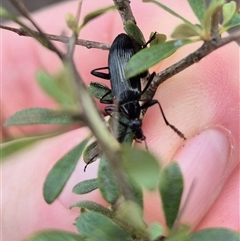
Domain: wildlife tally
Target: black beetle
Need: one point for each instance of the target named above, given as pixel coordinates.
(126, 92)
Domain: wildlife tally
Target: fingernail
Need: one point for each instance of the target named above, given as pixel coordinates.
(203, 161)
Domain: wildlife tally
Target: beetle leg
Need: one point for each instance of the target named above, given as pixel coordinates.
(101, 75)
(153, 102)
(150, 78)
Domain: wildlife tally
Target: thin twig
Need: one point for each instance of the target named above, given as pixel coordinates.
(64, 39)
(192, 58)
(123, 7)
(23, 10)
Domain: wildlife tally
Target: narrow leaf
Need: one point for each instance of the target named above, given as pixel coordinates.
(184, 31)
(169, 11)
(136, 191)
(51, 86)
(159, 38)
(171, 188)
(96, 14)
(92, 152)
(11, 147)
(228, 10)
(96, 226)
(214, 234)
(199, 8)
(148, 57)
(92, 206)
(155, 231)
(131, 214)
(72, 23)
(33, 116)
(61, 171)
(209, 15)
(98, 90)
(4, 13)
(234, 22)
(141, 167)
(55, 235)
(134, 32)
(86, 186)
(107, 182)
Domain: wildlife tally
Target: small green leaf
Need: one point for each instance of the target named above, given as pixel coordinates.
(134, 32)
(141, 167)
(169, 11)
(214, 234)
(155, 231)
(72, 22)
(61, 171)
(148, 57)
(52, 86)
(86, 186)
(55, 235)
(11, 147)
(171, 188)
(234, 22)
(98, 90)
(107, 182)
(136, 191)
(96, 226)
(130, 213)
(180, 234)
(199, 8)
(33, 116)
(209, 15)
(228, 10)
(159, 38)
(96, 14)
(92, 206)
(184, 31)
(92, 152)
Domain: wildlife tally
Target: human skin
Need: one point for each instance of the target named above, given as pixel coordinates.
(202, 101)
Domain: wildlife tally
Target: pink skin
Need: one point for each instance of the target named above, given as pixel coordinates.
(201, 101)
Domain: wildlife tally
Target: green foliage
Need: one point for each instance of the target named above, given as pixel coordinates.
(55, 235)
(218, 234)
(11, 147)
(210, 13)
(107, 182)
(72, 23)
(61, 171)
(141, 167)
(34, 116)
(228, 10)
(171, 188)
(106, 228)
(131, 215)
(86, 186)
(92, 206)
(148, 57)
(199, 8)
(234, 22)
(99, 90)
(183, 31)
(59, 88)
(89, 17)
(155, 231)
(158, 39)
(135, 33)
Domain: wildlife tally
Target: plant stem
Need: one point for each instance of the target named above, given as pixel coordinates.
(189, 60)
